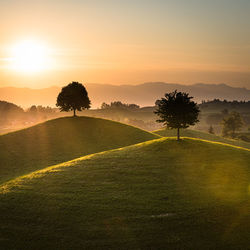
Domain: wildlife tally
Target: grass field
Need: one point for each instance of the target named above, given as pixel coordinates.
(160, 194)
(202, 135)
(60, 140)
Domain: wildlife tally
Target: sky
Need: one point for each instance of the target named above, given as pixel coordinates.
(53, 42)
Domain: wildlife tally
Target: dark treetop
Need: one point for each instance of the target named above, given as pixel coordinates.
(176, 110)
(73, 97)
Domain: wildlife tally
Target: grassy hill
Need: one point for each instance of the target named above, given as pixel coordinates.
(160, 194)
(202, 135)
(61, 140)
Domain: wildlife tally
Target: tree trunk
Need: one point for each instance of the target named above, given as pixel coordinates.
(74, 112)
(178, 134)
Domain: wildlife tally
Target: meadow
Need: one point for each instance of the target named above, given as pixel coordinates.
(202, 135)
(60, 140)
(156, 194)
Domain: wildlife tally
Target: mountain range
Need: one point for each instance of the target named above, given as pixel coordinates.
(143, 94)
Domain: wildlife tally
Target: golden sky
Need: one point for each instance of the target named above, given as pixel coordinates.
(53, 42)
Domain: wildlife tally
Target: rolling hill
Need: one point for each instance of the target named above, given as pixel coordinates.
(61, 140)
(160, 194)
(202, 135)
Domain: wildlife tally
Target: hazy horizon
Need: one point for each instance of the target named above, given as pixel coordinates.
(121, 84)
(141, 94)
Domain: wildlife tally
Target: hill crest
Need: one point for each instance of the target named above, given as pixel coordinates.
(155, 143)
(63, 139)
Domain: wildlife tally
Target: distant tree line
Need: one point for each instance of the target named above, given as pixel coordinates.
(225, 102)
(13, 115)
(119, 105)
(217, 104)
(41, 109)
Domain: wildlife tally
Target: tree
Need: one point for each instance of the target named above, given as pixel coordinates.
(211, 130)
(177, 111)
(73, 97)
(33, 109)
(105, 105)
(231, 124)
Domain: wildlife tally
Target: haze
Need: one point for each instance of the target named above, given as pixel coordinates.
(127, 42)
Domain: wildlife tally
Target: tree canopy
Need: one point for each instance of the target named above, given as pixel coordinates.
(231, 124)
(176, 111)
(74, 97)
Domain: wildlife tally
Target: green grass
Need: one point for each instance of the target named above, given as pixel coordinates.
(60, 140)
(202, 135)
(160, 194)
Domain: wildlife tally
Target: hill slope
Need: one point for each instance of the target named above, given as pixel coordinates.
(61, 140)
(201, 135)
(160, 194)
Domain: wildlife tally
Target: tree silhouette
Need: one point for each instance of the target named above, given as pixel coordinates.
(33, 109)
(211, 130)
(177, 111)
(73, 97)
(231, 124)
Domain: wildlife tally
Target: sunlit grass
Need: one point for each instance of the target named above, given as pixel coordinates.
(202, 135)
(158, 194)
(61, 140)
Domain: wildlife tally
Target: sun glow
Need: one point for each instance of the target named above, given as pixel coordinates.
(30, 56)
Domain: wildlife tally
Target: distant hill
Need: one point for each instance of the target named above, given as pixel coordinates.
(201, 135)
(60, 140)
(160, 194)
(142, 94)
(9, 112)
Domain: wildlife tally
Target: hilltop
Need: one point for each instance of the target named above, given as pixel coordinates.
(61, 140)
(202, 135)
(159, 194)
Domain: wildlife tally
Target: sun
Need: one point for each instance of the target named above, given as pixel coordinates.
(29, 56)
